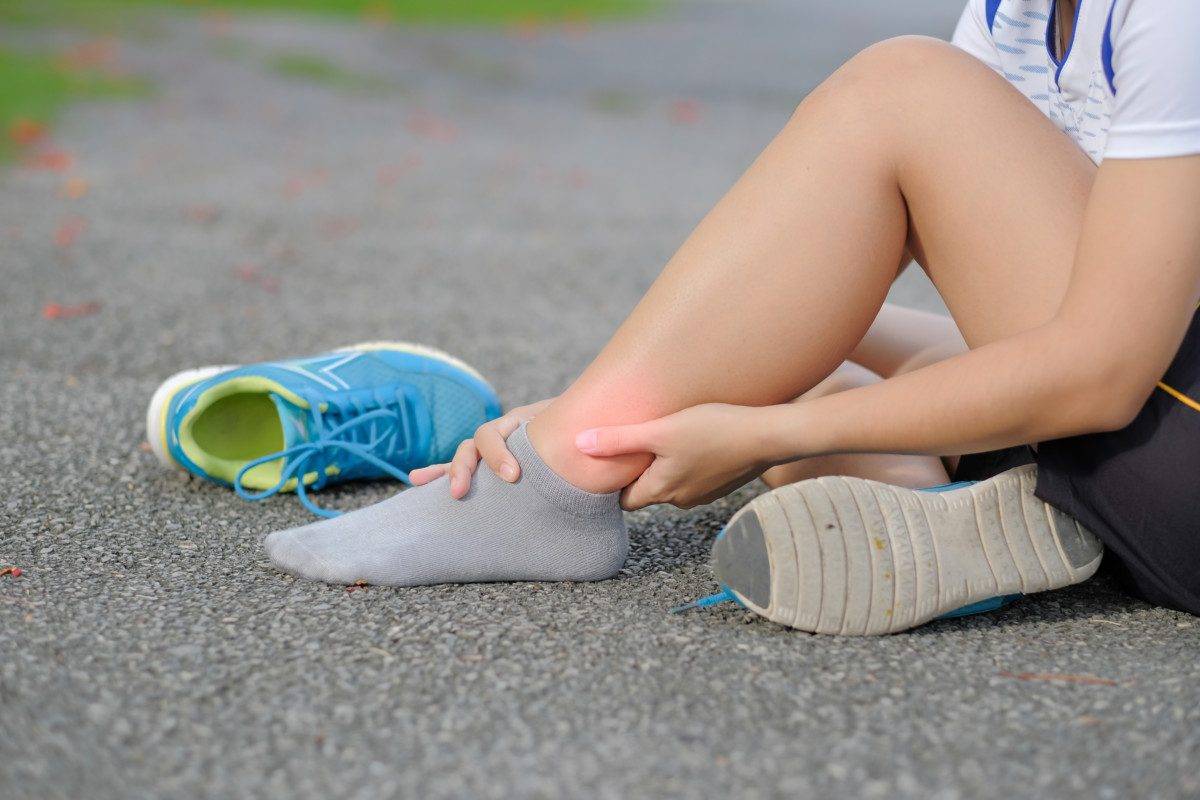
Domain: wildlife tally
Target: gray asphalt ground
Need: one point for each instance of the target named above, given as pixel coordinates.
(506, 195)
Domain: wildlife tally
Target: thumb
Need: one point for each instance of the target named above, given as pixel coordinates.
(617, 440)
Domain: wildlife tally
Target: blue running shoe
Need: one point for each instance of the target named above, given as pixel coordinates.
(373, 410)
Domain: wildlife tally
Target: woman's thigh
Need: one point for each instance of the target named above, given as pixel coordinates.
(912, 143)
(995, 193)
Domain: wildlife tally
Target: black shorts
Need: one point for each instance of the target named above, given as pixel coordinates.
(1137, 489)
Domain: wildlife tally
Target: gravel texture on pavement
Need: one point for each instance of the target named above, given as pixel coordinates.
(506, 195)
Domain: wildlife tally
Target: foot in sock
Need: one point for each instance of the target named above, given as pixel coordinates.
(540, 528)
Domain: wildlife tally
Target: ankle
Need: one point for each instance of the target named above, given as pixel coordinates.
(555, 444)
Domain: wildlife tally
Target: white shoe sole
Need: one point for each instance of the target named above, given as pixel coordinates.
(850, 556)
(156, 422)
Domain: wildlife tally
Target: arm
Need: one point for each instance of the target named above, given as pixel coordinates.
(1132, 293)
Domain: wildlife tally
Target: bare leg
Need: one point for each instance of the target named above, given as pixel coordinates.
(900, 470)
(903, 339)
(900, 339)
(911, 142)
(913, 145)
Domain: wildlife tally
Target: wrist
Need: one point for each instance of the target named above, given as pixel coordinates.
(785, 433)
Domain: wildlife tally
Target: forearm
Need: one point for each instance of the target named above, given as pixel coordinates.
(1132, 293)
(1038, 385)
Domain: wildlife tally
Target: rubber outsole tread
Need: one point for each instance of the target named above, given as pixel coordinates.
(852, 556)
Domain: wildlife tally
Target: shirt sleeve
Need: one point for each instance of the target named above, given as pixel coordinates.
(1155, 75)
(972, 34)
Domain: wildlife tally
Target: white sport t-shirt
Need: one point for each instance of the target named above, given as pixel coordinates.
(1128, 86)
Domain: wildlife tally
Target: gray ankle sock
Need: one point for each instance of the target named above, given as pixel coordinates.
(540, 528)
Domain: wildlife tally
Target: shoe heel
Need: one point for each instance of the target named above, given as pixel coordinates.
(160, 401)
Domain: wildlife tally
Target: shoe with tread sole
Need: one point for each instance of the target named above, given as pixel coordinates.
(849, 556)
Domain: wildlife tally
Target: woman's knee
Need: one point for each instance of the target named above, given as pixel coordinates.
(905, 56)
(847, 376)
(890, 76)
(931, 355)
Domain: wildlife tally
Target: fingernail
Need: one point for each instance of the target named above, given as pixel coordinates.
(587, 441)
(508, 472)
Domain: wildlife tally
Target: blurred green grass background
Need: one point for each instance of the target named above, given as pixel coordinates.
(95, 12)
(35, 85)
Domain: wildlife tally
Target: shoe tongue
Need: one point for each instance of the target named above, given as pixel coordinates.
(293, 419)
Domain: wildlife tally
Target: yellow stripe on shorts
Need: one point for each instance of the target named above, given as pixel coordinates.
(1180, 396)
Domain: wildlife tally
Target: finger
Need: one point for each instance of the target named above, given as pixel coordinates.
(617, 440)
(489, 440)
(424, 475)
(506, 424)
(625, 504)
(530, 411)
(462, 467)
(637, 495)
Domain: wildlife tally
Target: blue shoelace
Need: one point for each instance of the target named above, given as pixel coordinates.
(983, 606)
(723, 596)
(368, 436)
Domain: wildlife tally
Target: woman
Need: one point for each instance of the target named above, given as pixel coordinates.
(1045, 173)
